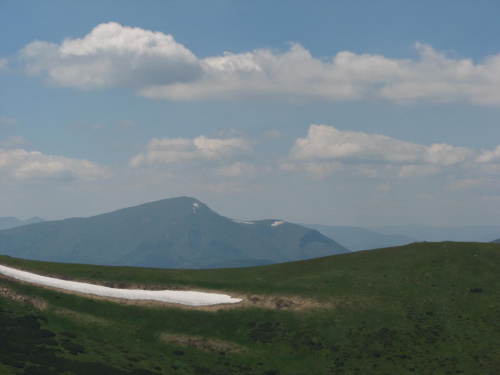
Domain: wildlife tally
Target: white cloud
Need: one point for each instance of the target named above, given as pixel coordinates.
(489, 156)
(158, 67)
(326, 151)
(112, 55)
(173, 150)
(22, 165)
(8, 121)
(295, 75)
(326, 142)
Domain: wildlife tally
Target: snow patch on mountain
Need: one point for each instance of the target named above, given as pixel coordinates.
(242, 222)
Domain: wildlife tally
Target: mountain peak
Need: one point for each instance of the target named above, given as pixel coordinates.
(171, 233)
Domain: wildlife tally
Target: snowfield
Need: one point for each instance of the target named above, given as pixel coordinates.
(276, 223)
(169, 296)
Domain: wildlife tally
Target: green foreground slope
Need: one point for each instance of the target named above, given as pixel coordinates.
(427, 308)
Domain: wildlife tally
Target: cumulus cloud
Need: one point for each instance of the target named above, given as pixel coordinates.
(327, 142)
(22, 165)
(327, 150)
(489, 156)
(173, 150)
(112, 55)
(158, 67)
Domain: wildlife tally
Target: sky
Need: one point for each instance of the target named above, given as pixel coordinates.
(330, 112)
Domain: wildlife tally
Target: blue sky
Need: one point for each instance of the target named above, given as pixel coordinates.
(343, 113)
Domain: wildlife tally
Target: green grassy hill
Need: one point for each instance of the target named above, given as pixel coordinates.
(426, 308)
(171, 233)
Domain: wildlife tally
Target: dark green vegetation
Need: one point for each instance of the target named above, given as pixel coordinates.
(426, 308)
(172, 233)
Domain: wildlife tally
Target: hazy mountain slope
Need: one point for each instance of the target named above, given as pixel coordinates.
(424, 308)
(172, 233)
(12, 222)
(357, 238)
(484, 233)
(496, 241)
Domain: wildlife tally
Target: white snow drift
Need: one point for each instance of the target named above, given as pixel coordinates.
(169, 296)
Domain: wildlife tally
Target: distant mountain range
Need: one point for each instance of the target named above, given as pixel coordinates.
(171, 233)
(357, 238)
(12, 222)
(485, 233)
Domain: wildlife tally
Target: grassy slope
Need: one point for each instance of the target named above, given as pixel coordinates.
(399, 310)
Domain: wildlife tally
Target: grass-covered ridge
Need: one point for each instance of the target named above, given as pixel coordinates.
(423, 308)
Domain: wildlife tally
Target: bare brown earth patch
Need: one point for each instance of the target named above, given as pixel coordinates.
(36, 302)
(284, 302)
(203, 343)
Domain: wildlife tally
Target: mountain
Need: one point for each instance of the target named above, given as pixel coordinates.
(495, 241)
(357, 238)
(484, 233)
(12, 222)
(171, 233)
(424, 308)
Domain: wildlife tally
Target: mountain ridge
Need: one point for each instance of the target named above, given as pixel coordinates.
(12, 222)
(171, 233)
(359, 238)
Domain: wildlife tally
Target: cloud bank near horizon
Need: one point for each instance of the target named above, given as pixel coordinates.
(155, 66)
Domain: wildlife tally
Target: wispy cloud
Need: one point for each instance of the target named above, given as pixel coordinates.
(175, 150)
(4, 64)
(156, 66)
(8, 121)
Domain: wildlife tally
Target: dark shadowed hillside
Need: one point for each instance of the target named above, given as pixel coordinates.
(172, 233)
